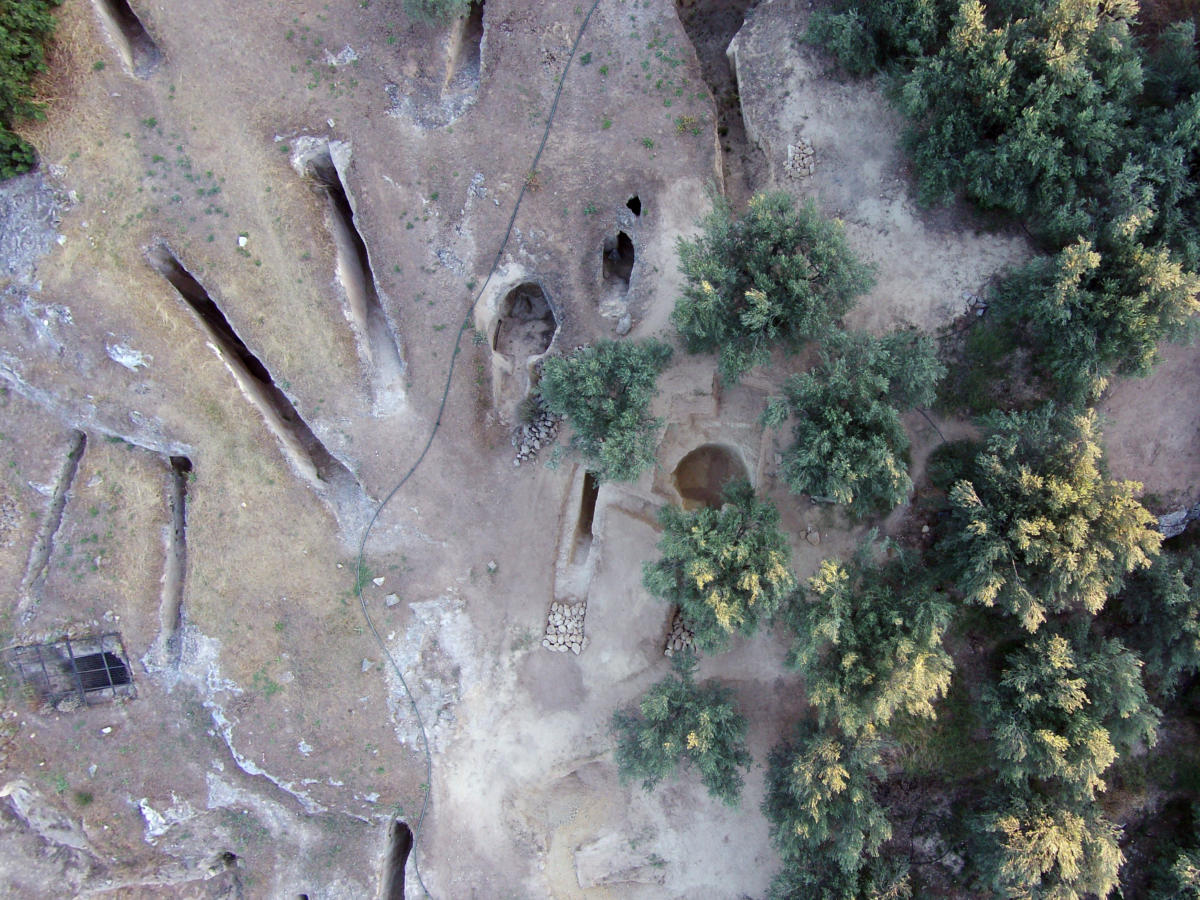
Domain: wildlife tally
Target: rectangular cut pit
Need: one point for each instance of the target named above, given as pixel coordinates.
(325, 163)
(301, 447)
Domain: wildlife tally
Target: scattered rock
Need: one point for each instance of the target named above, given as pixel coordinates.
(378, 582)
(528, 439)
(391, 600)
(1175, 523)
(624, 324)
(680, 638)
(366, 665)
(801, 159)
(813, 536)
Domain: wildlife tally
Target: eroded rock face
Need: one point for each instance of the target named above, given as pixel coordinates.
(1175, 523)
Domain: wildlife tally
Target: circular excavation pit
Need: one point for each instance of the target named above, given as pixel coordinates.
(526, 325)
(701, 476)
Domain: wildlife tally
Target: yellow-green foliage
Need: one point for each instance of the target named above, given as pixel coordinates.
(727, 568)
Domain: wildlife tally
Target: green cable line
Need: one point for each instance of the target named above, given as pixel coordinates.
(362, 544)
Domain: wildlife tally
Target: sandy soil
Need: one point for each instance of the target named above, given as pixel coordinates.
(271, 746)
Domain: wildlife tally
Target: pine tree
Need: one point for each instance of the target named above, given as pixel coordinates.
(1161, 610)
(726, 568)
(820, 802)
(1035, 846)
(1038, 529)
(868, 640)
(679, 721)
(778, 275)
(604, 390)
(849, 444)
(1065, 706)
(25, 27)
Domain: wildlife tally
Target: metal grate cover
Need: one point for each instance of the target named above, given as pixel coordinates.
(83, 670)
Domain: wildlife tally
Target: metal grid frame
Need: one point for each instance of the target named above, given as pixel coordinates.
(87, 669)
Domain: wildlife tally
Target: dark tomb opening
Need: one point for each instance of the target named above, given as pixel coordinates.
(527, 323)
(400, 843)
(701, 476)
(618, 258)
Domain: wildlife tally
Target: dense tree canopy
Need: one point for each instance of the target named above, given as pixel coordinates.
(849, 444)
(726, 568)
(676, 721)
(1034, 846)
(1063, 709)
(868, 640)
(25, 26)
(825, 819)
(1161, 611)
(1037, 529)
(1091, 313)
(604, 390)
(778, 275)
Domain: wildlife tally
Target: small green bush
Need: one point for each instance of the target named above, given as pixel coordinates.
(868, 640)
(25, 27)
(726, 568)
(604, 390)
(435, 10)
(849, 444)
(1038, 529)
(778, 275)
(678, 721)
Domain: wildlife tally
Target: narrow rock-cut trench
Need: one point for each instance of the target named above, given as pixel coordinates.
(137, 49)
(303, 450)
(464, 62)
(711, 26)
(587, 513)
(43, 546)
(170, 610)
(400, 842)
(377, 338)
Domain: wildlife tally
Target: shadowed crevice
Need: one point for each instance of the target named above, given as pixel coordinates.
(303, 450)
(376, 336)
(43, 546)
(400, 843)
(137, 49)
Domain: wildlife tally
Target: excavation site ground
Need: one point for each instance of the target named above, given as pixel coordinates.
(232, 292)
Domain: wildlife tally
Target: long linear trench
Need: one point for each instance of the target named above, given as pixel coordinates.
(307, 455)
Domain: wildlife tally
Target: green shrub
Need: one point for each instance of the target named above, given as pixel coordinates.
(825, 819)
(678, 721)
(726, 568)
(849, 444)
(868, 640)
(25, 27)
(1038, 529)
(778, 275)
(868, 36)
(436, 10)
(1065, 706)
(1033, 845)
(1090, 313)
(604, 390)
(1160, 608)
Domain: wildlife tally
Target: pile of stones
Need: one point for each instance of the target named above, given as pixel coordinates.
(529, 439)
(564, 628)
(801, 159)
(680, 638)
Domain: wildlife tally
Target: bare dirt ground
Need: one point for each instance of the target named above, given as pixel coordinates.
(270, 746)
